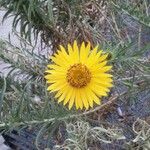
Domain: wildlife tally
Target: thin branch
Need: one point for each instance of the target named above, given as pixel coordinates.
(110, 101)
(130, 78)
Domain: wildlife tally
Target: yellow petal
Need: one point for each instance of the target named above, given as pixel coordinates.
(95, 60)
(55, 78)
(55, 67)
(89, 98)
(102, 80)
(60, 72)
(79, 99)
(84, 98)
(106, 85)
(64, 53)
(76, 52)
(94, 51)
(83, 55)
(92, 56)
(94, 97)
(87, 49)
(103, 57)
(68, 96)
(59, 61)
(62, 93)
(97, 67)
(58, 94)
(106, 68)
(62, 97)
(71, 102)
(99, 92)
(70, 50)
(102, 75)
(56, 86)
(84, 52)
(97, 100)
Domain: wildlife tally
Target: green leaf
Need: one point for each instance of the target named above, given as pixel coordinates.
(50, 11)
(2, 93)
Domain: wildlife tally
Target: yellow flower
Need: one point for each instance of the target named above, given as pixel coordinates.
(79, 76)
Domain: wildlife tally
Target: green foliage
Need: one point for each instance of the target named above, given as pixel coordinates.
(33, 16)
(81, 136)
(24, 100)
(23, 61)
(138, 10)
(142, 139)
(2, 94)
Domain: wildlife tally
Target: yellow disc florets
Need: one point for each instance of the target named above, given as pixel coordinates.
(78, 75)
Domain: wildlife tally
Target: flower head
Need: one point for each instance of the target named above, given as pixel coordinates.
(79, 76)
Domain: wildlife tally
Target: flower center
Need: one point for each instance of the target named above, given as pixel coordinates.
(78, 75)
